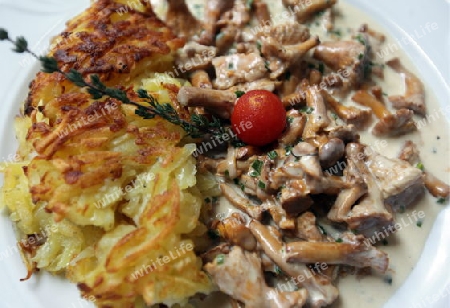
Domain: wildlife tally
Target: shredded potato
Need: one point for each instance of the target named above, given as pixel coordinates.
(109, 193)
(110, 229)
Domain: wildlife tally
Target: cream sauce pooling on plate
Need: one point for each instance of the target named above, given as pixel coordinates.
(405, 246)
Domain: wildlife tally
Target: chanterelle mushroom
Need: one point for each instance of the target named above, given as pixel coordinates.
(181, 20)
(320, 290)
(414, 97)
(354, 253)
(390, 124)
(305, 9)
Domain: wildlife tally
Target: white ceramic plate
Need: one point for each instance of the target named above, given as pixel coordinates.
(38, 20)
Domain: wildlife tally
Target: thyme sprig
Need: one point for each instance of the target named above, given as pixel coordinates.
(196, 128)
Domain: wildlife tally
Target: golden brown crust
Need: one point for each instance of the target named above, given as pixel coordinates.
(110, 39)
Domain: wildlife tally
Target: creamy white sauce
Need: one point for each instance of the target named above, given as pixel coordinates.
(405, 246)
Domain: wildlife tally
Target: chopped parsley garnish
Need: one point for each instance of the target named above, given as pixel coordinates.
(259, 46)
(257, 165)
(307, 110)
(253, 174)
(420, 166)
(337, 32)
(230, 66)
(288, 149)
(441, 200)
(239, 93)
(227, 173)
(361, 55)
(385, 242)
(388, 280)
(360, 38)
(322, 230)
(278, 270)
(419, 223)
(272, 154)
(287, 75)
(320, 13)
(321, 68)
(289, 119)
(261, 184)
(220, 259)
(213, 234)
(339, 240)
(237, 143)
(267, 65)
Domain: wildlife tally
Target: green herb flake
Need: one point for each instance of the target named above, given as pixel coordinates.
(227, 173)
(289, 119)
(288, 149)
(213, 234)
(253, 174)
(360, 38)
(420, 166)
(441, 200)
(220, 259)
(287, 75)
(272, 154)
(307, 110)
(257, 166)
(419, 223)
(321, 68)
(239, 93)
(337, 32)
(322, 230)
(388, 280)
(361, 55)
(339, 240)
(267, 65)
(237, 143)
(230, 66)
(320, 13)
(261, 185)
(196, 128)
(259, 46)
(385, 242)
(207, 200)
(278, 270)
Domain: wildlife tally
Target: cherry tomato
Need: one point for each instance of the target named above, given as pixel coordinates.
(258, 117)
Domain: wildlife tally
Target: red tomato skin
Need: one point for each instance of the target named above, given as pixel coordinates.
(258, 118)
